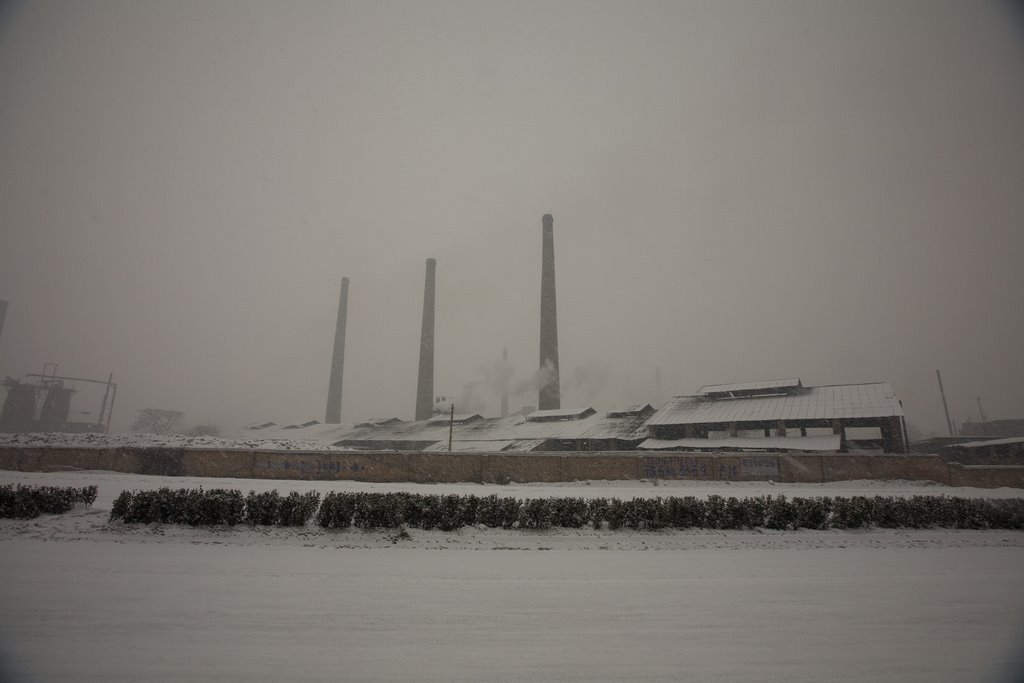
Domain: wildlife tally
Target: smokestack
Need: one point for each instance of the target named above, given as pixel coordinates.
(504, 382)
(550, 398)
(3, 314)
(333, 415)
(425, 384)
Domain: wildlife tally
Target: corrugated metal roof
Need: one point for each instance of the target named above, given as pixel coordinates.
(559, 414)
(988, 442)
(526, 434)
(378, 421)
(812, 403)
(789, 383)
(636, 409)
(469, 446)
(828, 442)
(457, 418)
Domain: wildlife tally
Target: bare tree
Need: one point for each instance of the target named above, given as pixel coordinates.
(157, 421)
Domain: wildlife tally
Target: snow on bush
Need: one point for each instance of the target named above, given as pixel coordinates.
(448, 512)
(28, 502)
(196, 507)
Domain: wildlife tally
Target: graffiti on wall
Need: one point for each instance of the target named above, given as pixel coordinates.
(760, 468)
(667, 467)
(710, 468)
(305, 467)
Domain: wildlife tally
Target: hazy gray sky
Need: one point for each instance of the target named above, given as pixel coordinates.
(741, 191)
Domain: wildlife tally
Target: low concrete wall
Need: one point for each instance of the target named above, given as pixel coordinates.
(505, 467)
(986, 476)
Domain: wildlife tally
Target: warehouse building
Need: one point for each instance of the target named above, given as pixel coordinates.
(780, 415)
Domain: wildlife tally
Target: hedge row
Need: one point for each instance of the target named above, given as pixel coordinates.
(197, 507)
(391, 510)
(28, 502)
(447, 512)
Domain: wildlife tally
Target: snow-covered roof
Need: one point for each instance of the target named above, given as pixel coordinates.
(780, 384)
(469, 446)
(555, 414)
(259, 425)
(308, 423)
(988, 442)
(379, 422)
(810, 403)
(635, 409)
(514, 433)
(828, 442)
(457, 418)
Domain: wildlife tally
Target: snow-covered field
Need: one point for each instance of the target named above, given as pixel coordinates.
(116, 440)
(84, 600)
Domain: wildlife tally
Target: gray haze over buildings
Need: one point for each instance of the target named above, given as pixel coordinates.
(741, 191)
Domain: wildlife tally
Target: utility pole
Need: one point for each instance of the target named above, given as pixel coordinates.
(451, 427)
(981, 411)
(942, 392)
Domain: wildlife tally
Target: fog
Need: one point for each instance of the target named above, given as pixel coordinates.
(740, 190)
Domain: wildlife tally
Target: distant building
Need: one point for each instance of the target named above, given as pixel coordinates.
(781, 415)
(993, 428)
(541, 430)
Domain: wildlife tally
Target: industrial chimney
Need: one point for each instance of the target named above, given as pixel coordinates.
(550, 398)
(425, 384)
(503, 379)
(338, 359)
(3, 314)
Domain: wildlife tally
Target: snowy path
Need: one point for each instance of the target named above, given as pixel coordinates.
(85, 600)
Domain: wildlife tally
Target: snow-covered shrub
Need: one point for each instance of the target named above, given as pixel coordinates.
(891, 513)
(336, 511)
(714, 513)
(535, 514)
(852, 513)
(685, 513)
(28, 502)
(615, 514)
(377, 510)
(496, 512)
(296, 509)
(194, 507)
(448, 512)
(747, 513)
(645, 513)
(779, 513)
(456, 512)
(597, 512)
(811, 513)
(262, 509)
(570, 513)
(1007, 514)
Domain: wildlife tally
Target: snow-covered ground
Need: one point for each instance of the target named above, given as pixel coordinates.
(86, 600)
(88, 440)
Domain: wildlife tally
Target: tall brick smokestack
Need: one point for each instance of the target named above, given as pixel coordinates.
(425, 384)
(333, 415)
(3, 314)
(504, 382)
(550, 397)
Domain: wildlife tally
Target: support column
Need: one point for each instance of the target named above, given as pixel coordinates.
(837, 428)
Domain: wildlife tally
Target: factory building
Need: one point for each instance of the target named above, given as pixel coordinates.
(781, 415)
